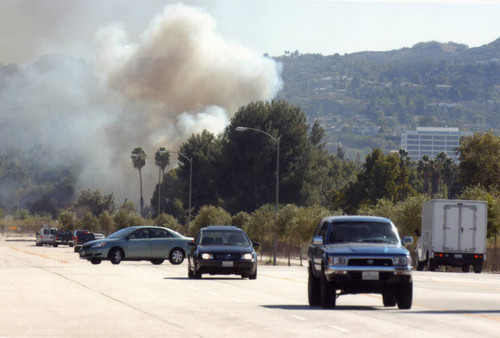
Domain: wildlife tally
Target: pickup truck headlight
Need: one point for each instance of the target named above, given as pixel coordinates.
(207, 256)
(405, 261)
(337, 260)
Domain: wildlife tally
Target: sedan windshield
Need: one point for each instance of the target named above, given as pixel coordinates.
(237, 238)
(362, 232)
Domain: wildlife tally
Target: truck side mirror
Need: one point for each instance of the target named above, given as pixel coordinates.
(318, 240)
(407, 240)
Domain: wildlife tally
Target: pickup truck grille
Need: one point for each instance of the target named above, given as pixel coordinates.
(370, 262)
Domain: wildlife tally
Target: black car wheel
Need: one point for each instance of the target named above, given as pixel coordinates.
(157, 261)
(95, 261)
(176, 256)
(405, 296)
(254, 275)
(313, 289)
(115, 256)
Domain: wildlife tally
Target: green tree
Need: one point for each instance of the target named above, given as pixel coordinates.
(95, 202)
(169, 221)
(126, 216)
(106, 223)
(479, 160)
(162, 160)
(138, 157)
(204, 151)
(249, 158)
(210, 215)
(67, 219)
(88, 222)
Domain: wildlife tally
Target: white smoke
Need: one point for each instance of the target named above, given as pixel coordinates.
(179, 78)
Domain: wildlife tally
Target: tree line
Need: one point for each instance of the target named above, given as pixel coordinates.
(233, 181)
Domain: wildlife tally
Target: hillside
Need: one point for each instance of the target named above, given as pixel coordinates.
(365, 99)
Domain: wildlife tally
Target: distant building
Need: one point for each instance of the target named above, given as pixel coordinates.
(431, 141)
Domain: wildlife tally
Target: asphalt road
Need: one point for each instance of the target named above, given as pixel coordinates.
(46, 291)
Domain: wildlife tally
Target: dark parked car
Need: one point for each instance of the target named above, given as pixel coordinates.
(63, 237)
(359, 254)
(222, 249)
(81, 237)
(138, 243)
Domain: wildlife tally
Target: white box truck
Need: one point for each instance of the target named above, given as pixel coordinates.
(454, 234)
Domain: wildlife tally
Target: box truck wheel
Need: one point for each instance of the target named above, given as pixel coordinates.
(478, 267)
(431, 265)
(465, 268)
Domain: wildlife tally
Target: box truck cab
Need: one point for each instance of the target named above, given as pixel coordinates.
(453, 234)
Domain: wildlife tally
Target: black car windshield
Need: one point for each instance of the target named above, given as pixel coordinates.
(225, 237)
(362, 232)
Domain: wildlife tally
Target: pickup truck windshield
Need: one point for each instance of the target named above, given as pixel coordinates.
(362, 232)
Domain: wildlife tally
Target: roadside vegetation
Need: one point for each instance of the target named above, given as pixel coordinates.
(234, 182)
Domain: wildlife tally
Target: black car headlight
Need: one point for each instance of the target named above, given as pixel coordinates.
(206, 256)
(247, 256)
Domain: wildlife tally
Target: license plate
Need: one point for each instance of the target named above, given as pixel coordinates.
(227, 264)
(459, 256)
(370, 275)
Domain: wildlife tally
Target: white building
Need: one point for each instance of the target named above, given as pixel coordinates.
(431, 141)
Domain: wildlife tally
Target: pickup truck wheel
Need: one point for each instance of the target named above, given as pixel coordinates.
(157, 261)
(115, 256)
(328, 293)
(176, 256)
(405, 296)
(313, 289)
(95, 261)
(75, 249)
(478, 268)
(389, 298)
(55, 245)
(420, 265)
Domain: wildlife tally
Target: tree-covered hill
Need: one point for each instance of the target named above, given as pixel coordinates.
(367, 98)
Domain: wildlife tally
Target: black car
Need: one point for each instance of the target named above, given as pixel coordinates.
(222, 249)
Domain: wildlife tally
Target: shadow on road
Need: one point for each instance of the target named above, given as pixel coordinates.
(458, 312)
(313, 308)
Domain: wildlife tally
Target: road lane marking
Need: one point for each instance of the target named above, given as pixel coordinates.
(338, 328)
(297, 317)
(283, 278)
(39, 255)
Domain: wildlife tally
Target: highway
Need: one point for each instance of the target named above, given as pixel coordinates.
(50, 292)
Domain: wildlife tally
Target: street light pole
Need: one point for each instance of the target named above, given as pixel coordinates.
(277, 140)
(190, 184)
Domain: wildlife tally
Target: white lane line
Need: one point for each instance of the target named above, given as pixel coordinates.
(237, 300)
(192, 288)
(339, 328)
(297, 317)
(211, 293)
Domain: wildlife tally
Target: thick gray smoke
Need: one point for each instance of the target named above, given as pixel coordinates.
(179, 78)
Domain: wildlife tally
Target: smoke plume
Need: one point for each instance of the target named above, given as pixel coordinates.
(178, 78)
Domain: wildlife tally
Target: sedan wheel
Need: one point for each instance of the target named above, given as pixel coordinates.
(95, 261)
(115, 256)
(176, 256)
(157, 261)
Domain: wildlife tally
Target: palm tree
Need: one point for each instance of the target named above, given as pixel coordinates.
(138, 161)
(162, 160)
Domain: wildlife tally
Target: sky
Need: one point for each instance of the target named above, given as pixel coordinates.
(98, 78)
(35, 27)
